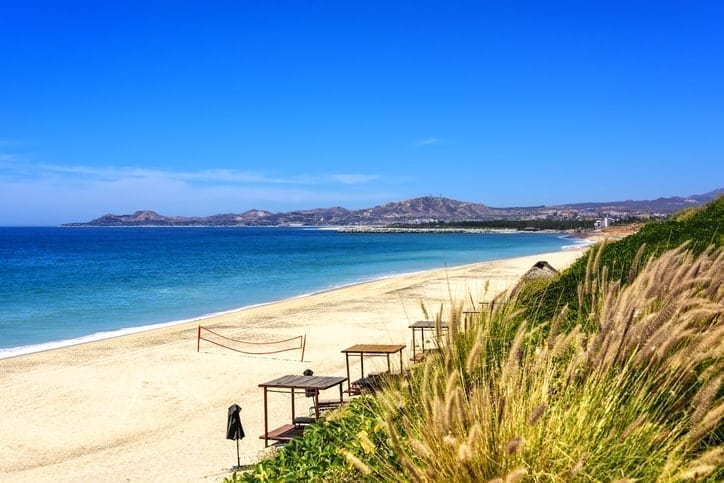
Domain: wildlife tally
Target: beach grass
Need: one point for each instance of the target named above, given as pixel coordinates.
(621, 382)
(639, 400)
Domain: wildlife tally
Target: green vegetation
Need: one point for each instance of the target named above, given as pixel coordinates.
(621, 380)
(699, 228)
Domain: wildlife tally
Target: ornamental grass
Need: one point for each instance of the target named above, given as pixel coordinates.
(640, 398)
(631, 392)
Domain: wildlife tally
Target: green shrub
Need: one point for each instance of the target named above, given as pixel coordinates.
(331, 449)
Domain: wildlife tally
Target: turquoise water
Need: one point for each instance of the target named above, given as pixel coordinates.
(66, 285)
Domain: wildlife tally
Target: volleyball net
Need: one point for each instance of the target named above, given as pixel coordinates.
(297, 343)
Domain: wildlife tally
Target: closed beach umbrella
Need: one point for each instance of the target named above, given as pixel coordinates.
(234, 429)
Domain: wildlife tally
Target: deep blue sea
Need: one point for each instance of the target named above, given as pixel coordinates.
(60, 286)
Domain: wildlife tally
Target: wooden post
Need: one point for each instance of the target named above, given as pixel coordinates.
(304, 345)
(349, 381)
(198, 339)
(316, 404)
(293, 415)
(266, 421)
(413, 344)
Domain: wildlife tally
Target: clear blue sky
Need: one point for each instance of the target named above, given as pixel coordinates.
(222, 107)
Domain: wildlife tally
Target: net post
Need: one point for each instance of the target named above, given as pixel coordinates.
(198, 339)
(304, 345)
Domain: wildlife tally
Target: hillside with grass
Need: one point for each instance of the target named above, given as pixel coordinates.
(620, 261)
(610, 372)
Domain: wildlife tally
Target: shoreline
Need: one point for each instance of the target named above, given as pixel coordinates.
(125, 331)
(148, 406)
(18, 351)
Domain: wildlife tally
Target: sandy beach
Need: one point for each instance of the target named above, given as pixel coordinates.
(149, 407)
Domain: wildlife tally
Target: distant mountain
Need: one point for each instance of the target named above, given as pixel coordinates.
(417, 210)
(425, 209)
(659, 205)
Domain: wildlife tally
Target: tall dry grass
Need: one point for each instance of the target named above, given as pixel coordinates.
(639, 399)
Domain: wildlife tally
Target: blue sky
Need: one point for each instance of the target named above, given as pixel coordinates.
(217, 107)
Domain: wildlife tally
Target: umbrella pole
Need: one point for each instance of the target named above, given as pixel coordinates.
(238, 460)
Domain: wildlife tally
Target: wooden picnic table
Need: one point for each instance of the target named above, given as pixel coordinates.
(310, 385)
(422, 326)
(373, 350)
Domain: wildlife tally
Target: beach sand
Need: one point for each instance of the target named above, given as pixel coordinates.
(149, 407)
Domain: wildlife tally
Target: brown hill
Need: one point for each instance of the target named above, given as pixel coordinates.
(417, 210)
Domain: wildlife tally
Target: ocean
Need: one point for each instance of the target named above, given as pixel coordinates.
(62, 286)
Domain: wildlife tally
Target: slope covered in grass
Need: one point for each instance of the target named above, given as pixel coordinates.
(699, 228)
(625, 385)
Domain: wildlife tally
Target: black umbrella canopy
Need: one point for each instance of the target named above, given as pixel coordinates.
(234, 430)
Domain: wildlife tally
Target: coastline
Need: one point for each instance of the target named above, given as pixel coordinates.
(577, 241)
(148, 406)
(11, 352)
(80, 300)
